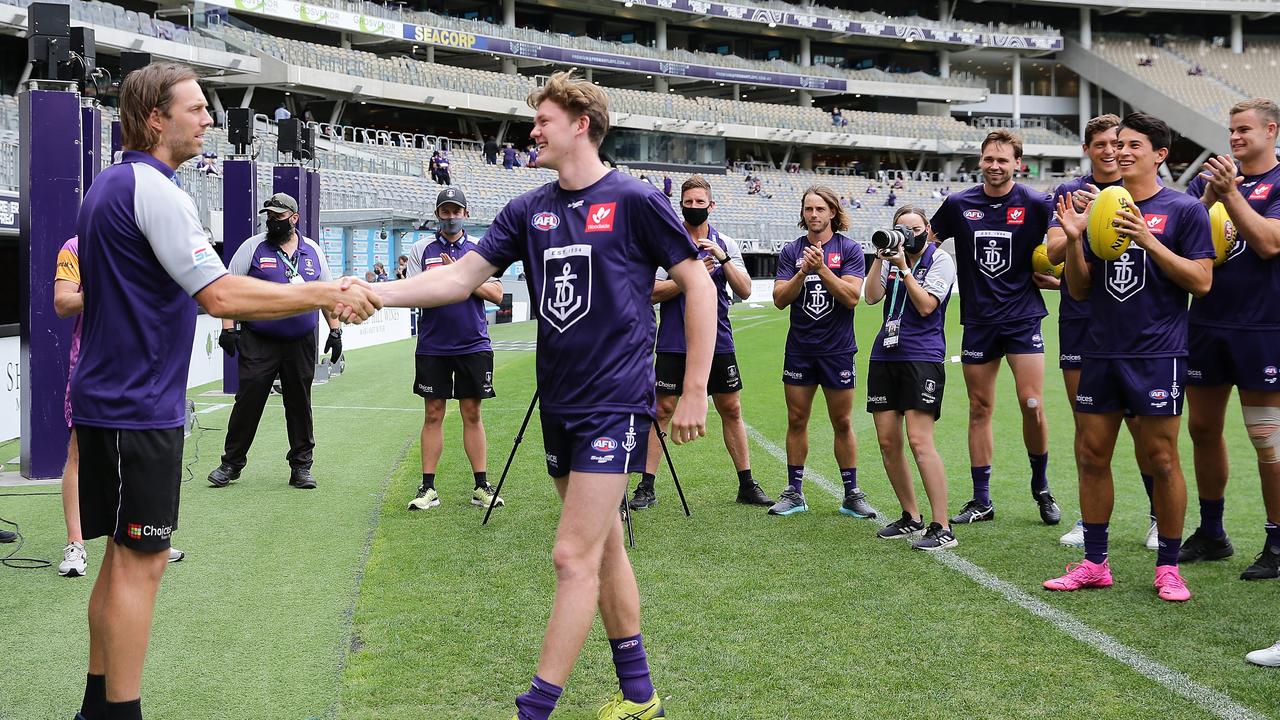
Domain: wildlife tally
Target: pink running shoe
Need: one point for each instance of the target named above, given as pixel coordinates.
(1084, 575)
(1170, 585)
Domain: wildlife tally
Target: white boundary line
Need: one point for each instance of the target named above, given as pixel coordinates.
(1212, 700)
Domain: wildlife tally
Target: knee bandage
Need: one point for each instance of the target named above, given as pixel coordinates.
(1263, 424)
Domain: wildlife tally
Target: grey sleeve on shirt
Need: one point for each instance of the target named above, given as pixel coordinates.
(243, 259)
(661, 274)
(167, 218)
(941, 275)
(324, 261)
(415, 258)
(734, 251)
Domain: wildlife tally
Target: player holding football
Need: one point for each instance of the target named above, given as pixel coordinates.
(1136, 357)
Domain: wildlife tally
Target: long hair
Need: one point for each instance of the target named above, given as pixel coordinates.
(839, 215)
(143, 90)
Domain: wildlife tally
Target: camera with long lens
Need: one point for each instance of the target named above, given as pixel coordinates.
(890, 240)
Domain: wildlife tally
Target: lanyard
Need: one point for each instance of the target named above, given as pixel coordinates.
(291, 269)
(893, 300)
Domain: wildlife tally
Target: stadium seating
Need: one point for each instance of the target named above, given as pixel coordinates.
(1168, 72)
(1255, 72)
(114, 16)
(677, 107)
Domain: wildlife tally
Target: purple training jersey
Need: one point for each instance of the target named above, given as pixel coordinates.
(1136, 311)
(921, 338)
(995, 237)
(819, 324)
(1070, 308)
(259, 259)
(671, 337)
(457, 329)
(143, 254)
(1246, 287)
(589, 257)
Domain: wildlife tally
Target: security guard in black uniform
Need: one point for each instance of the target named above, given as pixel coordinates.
(285, 347)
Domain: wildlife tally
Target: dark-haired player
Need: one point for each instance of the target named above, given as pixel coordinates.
(1136, 358)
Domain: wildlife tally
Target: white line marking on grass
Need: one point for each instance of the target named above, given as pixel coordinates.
(1215, 702)
(212, 408)
(765, 321)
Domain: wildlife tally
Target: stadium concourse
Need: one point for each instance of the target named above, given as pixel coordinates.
(428, 153)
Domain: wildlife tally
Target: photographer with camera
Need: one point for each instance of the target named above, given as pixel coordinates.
(907, 375)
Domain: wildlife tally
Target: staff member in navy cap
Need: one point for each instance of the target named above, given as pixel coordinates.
(285, 347)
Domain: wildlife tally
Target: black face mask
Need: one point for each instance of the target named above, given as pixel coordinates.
(695, 216)
(278, 230)
(916, 243)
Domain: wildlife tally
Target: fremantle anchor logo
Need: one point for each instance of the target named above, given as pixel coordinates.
(629, 440)
(991, 250)
(817, 301)
(1127, 274)
(568, 299)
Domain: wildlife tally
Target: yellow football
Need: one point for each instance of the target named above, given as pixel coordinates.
(1040, 262)
(1224, 232)
(1104, 239)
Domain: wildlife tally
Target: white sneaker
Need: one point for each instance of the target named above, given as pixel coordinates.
(1153, 536)
(73, 560)
(1074, 536)
(176, 555)
(1266, 657)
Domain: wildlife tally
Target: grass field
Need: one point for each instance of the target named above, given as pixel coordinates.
(339, 603)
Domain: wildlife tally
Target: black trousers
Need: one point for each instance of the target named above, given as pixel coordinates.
(261, 359)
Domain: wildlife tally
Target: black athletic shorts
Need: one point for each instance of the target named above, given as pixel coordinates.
(445, 377)
(725, 378)
(129, 485)
(906, 385)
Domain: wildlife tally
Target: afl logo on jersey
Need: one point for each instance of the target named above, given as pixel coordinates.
(1158, 394)
(546, 221)
(604, 444)
(974, 214)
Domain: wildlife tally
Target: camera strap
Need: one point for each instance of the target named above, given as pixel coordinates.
(893, 322)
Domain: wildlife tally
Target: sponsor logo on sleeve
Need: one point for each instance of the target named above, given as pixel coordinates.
(833, 260)
(202, 255)
(267, 263)
(1015, 215)
(1261, 191)
(600, 217)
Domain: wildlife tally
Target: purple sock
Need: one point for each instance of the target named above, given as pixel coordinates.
(1168, 552)
(632, 666)
(1273, 536)
(1095, 542)
(795, 478)
(94, 706)
(1149, 483)
(1211, 517)
(1039, 472)
(538, 703)
(131, 710)
(981, 483)
(849, 476)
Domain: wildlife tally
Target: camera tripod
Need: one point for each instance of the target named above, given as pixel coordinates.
(626, 512)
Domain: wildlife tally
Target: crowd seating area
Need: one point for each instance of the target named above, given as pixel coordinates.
(1168, 72)
(1255, 72)
(870, 16)
(517, 87)
(114, 16)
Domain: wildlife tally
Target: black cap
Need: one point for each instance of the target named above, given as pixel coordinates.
(451, 195)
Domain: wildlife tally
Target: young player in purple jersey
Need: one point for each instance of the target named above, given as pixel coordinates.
(996, 226)
(454, 359)
(1101, 145)
(1136, 358)
(723, 260)
(906, 378)
(590, 243)
(145, 265)
(820, 278)
(1235, 334)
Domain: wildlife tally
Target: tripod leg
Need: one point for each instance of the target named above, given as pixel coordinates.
(506, 468)
(626, 515)
(662, 440)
